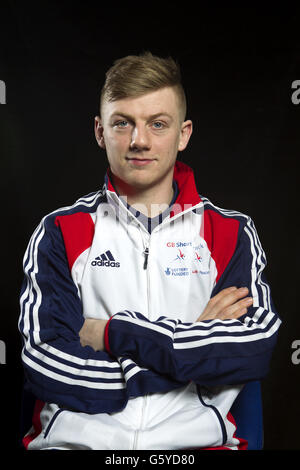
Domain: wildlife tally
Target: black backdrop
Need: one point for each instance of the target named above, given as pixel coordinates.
(238, 64)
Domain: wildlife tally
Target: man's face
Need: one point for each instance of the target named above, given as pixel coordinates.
(142, 137)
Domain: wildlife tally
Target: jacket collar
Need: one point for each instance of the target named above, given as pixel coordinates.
(188, 196)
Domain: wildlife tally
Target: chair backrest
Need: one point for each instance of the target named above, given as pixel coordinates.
(248, 415)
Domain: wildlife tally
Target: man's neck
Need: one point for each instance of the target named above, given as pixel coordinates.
(150, 201)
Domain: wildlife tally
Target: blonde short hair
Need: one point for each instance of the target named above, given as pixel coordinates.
(136, 75)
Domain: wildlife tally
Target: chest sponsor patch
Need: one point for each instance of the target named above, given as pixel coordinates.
(187, 259)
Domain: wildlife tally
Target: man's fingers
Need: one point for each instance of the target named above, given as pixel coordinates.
(223, 293)
(92, 333)
(227, 298)
(227, 304)
(237, 309)
(230, 294)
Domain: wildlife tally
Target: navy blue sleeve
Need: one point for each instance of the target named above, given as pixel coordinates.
(57, 368)
(211, 352)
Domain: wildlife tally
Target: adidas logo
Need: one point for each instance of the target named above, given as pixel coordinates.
(106, 259)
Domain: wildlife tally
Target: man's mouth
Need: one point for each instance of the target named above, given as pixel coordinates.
(139, 161)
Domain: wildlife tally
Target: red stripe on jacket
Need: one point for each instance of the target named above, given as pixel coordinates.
(78, 232)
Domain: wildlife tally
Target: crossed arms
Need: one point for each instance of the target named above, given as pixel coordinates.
(67, 362)
(228, 304)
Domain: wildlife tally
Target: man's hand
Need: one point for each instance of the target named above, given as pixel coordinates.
(228, 304)
(92, 333)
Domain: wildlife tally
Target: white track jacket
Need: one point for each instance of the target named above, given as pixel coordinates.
(164, 380)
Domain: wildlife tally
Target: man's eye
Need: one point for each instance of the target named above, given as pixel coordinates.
(158, 125)
(121, 124)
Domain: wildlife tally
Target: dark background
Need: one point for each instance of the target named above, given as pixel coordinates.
(238, 65)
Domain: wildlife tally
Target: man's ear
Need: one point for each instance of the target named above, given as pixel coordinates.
(99, 132)
(185, 134)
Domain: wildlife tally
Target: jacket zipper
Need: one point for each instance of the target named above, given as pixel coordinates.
(144, 398)
(141, 424)
(146, 253)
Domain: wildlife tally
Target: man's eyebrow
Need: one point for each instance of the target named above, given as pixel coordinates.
(123, 115)
(154, 116)
(149, 118)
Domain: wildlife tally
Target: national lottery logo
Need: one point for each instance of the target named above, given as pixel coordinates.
(177, 271)
(169, 271)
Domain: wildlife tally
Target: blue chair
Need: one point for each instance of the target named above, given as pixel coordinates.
(248, 414)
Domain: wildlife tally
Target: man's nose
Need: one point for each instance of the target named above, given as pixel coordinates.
(140, 139)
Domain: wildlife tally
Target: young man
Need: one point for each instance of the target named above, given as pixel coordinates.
(144, 307)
